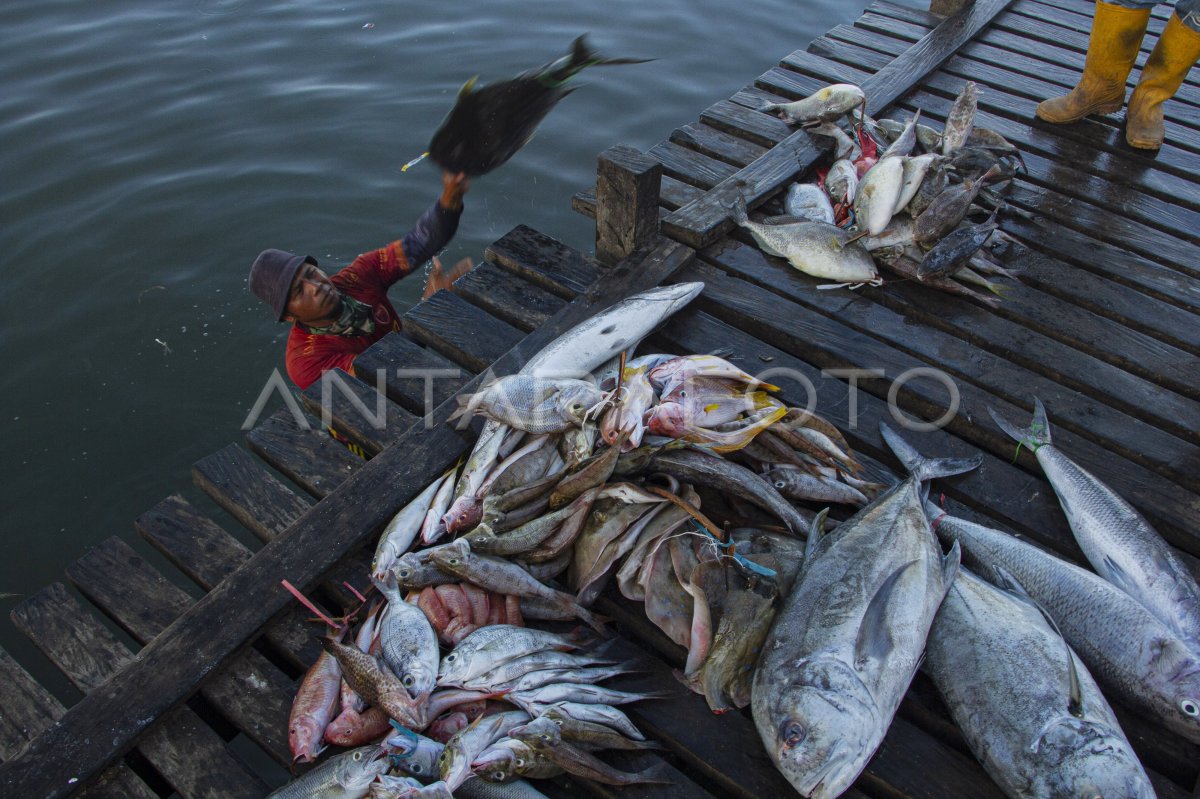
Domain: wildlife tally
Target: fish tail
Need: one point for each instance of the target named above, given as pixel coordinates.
(921, 467)
(1035, 437)
(655, 775)
(582, 56)
(593, 620)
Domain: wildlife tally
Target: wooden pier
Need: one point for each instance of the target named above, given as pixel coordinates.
(1103, 326)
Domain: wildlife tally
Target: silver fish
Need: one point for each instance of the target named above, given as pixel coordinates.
(915, 169)
(1027, 706)
(1119, 543)
(878, 192)
(841, 182)
(532, 404)
(433, 527)
(808, 201)
(619, 327)
(845, 147)
(1131, 653)
(345, 776)
(398, 536)
(906, 140)
(816, 248)
(847, 641)
(408, 644)
(454, 763)
(798, 484)
(824, 104)
(489, 647)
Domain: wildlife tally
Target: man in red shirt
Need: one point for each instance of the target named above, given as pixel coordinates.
(337, 317)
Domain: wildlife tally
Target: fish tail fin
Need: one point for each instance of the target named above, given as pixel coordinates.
(1038, 433)
(921, 467)
(593, 620)
(658, 774)
(582, 56)
(465, 407)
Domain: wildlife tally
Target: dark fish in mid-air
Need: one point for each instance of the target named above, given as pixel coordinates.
(488, 125)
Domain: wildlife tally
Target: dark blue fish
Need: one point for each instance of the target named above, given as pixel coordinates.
(488, 125)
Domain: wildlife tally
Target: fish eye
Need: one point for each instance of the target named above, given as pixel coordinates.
(453, 561)
(453, 656)
(792, 733)
(498, 775)
(416, 768)
(409, 681)
(545, 736)
(404, 574)
(357, 756)
(1190, 707)
(780, 483)
(520, 762)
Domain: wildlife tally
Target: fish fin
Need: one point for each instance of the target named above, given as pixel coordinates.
(741, 214)
(1115, 574)
(951, 562)
(593, 620)
(1035, 437)
(468, 87)
(875, 642)
(921, 467)
(1074, 689)
(815, 531)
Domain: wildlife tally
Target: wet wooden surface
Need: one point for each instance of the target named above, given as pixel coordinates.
(1101, 326)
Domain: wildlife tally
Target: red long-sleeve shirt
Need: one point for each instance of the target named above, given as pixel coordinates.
(367, 279)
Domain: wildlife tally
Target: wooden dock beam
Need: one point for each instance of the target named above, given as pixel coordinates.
(948, 8)
(627, 184)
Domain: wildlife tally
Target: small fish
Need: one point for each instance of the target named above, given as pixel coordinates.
(314, 707)
(796, 484)
(948, 209)
(532, 404)
(454, 763)
(669, 374)
(841, 182)
(906, 140)
(398, 537)
(373, 681)
(816, 248)
(915, 170)
(933, 184)
(844, 146)
(408, 644)
(496, 644)
(955, 249)
(824, 104)
(345, 776)
(878, 192)
(961, 119)
(433, 528)
(808, 201)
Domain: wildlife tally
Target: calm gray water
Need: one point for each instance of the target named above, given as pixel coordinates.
(150, 150)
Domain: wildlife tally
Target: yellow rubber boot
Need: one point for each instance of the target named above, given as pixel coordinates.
(1176, 52)
(1113, 47)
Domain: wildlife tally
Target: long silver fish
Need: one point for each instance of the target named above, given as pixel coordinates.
(1119, 543)
(494, 645)
(827, 103)
(847, 641)
(398, 536)
(596, 340)
(345, 776)
(1027, 706)
(1131, 653)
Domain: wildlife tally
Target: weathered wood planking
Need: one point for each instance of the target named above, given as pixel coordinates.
(701, 222)
(544, 261)
(479, 338)
(28, 708)
(417, 378)
(627, 190)
(505, 296)
(103, 725)
(207, 554)
(177, 744)
(359, 412)
(269, 507)
(307, 456)
(249, 691)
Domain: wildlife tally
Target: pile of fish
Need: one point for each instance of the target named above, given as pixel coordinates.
(577, 485)
(897, 195)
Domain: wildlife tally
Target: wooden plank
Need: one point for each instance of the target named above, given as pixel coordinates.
(544, 261)
(255, 497)
(828, 343)
(672, 194)
(104, 724)
(690, 166)
(460, 331)
(309, 457)
(717, 144)
(181, 748)
(28, 708)
(627, 188)
(250, 692)
(507, 297)
(703, 221)
(202, 550)
(361, 413)
(119, 782)
(417, 378)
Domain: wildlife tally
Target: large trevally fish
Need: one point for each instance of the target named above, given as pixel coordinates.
(488, 125)
(847, 641)
(1131, 652)
(1121, 545)
(1028, 708)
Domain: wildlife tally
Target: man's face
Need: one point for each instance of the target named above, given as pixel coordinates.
(313, 298)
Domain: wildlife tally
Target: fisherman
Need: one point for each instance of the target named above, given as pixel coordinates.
(1117, 31)
(334, 318)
